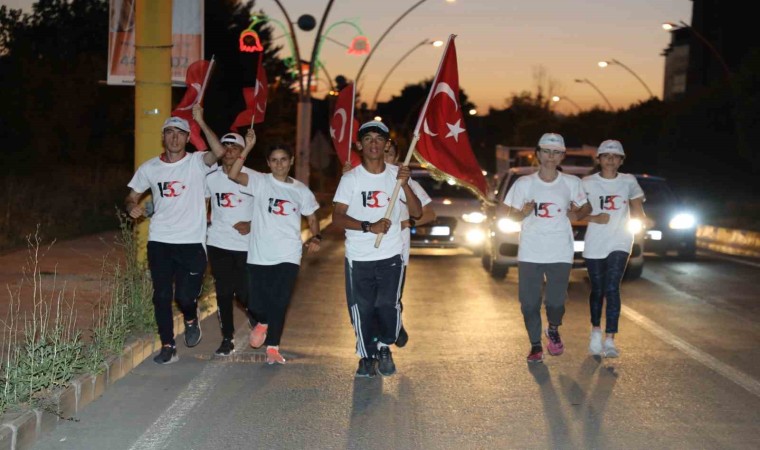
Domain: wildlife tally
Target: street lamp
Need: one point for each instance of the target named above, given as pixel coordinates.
(557, 98)
(604, 64)
(670, 26)
(385, 33)
(303, 115)
(400, 60)
(585, 80)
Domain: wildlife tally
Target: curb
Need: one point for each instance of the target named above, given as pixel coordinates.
(21, 429)
(729, 241)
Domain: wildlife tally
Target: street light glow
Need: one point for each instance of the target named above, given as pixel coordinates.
(378, 118)
(556, 98)
(437, 43)
(603, 64)
(669, 26)
(473, 111)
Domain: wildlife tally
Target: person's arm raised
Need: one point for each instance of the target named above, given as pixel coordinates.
(217, 149)
(236, 173)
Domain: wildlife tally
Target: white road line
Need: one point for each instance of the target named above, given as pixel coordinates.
(728, 258)
(163, 428)
(737, 376)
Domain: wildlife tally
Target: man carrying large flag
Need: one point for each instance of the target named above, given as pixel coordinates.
(440, 141)
(255, 100)
(343, 128)
(373, 275)
(196, 79)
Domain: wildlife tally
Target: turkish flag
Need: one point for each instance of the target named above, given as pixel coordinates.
(195, 77)
(255, 101)
(443, 141)
(343, 136)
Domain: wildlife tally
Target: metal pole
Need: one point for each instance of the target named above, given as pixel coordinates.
(377, 44)
(615, 61)
(382, 83)
(585, 80)
(153, 85)
(710, 46)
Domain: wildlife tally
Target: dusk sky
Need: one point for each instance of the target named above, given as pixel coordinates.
(500, 44)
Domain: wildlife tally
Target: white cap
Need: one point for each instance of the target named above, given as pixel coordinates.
(176, 122)
(233, 138)
(552, 141)
(610, 146)
(376, 126)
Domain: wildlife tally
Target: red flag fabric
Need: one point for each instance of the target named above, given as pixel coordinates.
(342, 136)
(443, 140)
(194, 79)
(255, 101)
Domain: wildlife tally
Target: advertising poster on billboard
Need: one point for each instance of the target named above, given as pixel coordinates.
(187, 40)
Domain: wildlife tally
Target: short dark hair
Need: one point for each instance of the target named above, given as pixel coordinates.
(284, 147)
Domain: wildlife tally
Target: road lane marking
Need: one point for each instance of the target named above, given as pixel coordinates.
(728, 258)
(164, 427)
(735, 375)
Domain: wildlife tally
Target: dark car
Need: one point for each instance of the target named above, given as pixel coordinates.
(671, 225)
(459, 220)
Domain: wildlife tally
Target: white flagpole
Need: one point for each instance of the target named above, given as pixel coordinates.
(205, 80)
(255, 85)
(415, 138)
(351, 123)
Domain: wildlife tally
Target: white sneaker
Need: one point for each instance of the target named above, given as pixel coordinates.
(610, 351)
(595, 343)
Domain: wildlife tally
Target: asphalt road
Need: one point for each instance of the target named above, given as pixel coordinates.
(688, 375)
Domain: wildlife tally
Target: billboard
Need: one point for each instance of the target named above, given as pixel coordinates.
(187, 40)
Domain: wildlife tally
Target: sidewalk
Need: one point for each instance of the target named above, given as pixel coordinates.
(74, 266)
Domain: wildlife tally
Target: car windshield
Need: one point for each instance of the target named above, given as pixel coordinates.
(437, 189)
(657, 192)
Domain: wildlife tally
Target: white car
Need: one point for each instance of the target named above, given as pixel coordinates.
(500, 249)
(459, 217)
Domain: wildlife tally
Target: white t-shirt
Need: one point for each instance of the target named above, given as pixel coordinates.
(546, 235)
(406, 232)
(276, 226)
(367, 196)
(611, 196)
(179, 203)
(228, 207)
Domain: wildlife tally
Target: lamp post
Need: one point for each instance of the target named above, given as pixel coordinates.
(557, 98)
(400, 60)
(303, 114)
(585, 80)
(385, 33)
(604, 64)
(668, 26)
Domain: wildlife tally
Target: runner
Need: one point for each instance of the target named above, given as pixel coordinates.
(275, 248)
(615, 198)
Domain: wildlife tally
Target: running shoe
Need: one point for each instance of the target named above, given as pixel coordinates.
(193, 333)
(610, 351)
(274, 356)
(536, 354)
(595, 342)
(167, 355)
(258, 335)
(226, 348)
(555, 345)
(366, 368)
(385, 364)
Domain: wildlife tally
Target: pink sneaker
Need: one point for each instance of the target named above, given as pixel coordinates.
(258, 335)
(555, 345)
(536, 354)
(274, 356)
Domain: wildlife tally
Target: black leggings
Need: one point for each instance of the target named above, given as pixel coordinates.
(228, 268)
(177, 272)
(269, 292)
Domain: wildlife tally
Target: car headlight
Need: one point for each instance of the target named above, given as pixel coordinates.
(635, 226)
(508, 226)
(474, 217)
(475, 236)
(682, 221)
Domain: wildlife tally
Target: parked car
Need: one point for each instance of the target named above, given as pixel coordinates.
(670, 224)
(459, 219)
(503, 234)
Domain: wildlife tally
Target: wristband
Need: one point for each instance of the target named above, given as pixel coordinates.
(366, 226)
(412, 222)
(317, 237)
